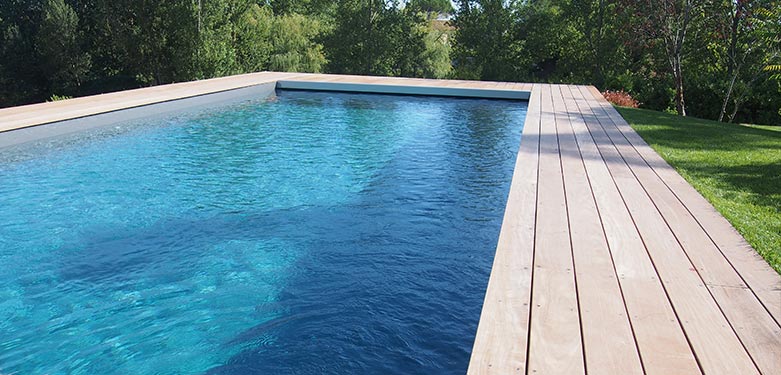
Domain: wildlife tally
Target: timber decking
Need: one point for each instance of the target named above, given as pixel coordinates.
(608, 261)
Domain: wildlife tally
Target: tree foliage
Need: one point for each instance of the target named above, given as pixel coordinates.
(57, 43)
(292, 44)
(376, 38)
(677, 55)
(432, 6)
(484, 42)
(716, 59)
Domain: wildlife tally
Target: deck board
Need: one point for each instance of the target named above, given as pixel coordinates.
(608, 341)
(37, 114)
(607, 261)
(755, 328)
(712, 338)
(757, 274)
(658, 335)
(555, 339)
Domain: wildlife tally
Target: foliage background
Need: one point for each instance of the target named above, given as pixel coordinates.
(728, 51)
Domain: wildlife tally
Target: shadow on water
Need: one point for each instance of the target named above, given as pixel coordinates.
(117, 253)
(352, 306)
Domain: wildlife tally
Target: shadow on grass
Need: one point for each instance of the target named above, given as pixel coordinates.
(761, 180)
(696, 134)
(745, 158)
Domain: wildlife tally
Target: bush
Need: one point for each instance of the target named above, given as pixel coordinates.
(621, 98)
(55, 98)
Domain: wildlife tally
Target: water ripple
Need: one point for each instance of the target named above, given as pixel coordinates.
(316, 233)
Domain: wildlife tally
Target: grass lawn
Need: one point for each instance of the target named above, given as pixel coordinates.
(765, 127)
(736, 167)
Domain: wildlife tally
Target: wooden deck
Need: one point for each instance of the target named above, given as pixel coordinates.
(608, 261)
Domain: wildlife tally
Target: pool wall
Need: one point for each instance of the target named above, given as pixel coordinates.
(458, 92)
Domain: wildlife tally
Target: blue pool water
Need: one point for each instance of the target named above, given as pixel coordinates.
(313, 233)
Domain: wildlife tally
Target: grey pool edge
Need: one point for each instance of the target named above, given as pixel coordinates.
(370, 88)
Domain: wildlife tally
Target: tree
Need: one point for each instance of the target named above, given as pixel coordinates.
(597, 45)
(377, 38)
(215, 51)
(293, 48)
(435, 58)
(750, 35)
(253, 38)
(22, 79)
(668, 21)
(162, 39)
(483, 40)
(432, 6)
(305, 7)
(58, 46)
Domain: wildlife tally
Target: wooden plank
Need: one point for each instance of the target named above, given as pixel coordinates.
(608, 342)
(554, 343)
(501, 342)
(755, 272)
(759, 333)
(717, 347)
(36, 114)
(660, 339)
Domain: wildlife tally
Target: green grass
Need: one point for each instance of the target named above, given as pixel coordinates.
(735, 167)
(764, 127)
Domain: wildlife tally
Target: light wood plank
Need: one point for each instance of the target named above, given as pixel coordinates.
(755, 327)
(715, 344)
(501, 342)
(756, 273)
(555, 343)
(36, 114)
(609, 344)
(660, 338)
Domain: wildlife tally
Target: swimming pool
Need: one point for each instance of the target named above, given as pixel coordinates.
(307, 233)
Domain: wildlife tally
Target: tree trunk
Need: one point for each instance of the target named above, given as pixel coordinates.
(734, 110)
(732, 68)
(676, 40)
(680, 104)
(726, 97)
(369, 52)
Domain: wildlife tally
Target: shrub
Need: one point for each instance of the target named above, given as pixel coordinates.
(621, 98)
(56, 97)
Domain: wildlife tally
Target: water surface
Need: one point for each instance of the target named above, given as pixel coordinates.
(313, 233)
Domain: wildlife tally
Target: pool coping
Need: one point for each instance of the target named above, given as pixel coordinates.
(607, 258)
(452, 92)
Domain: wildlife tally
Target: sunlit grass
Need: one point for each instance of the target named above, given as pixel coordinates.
(736, 167)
